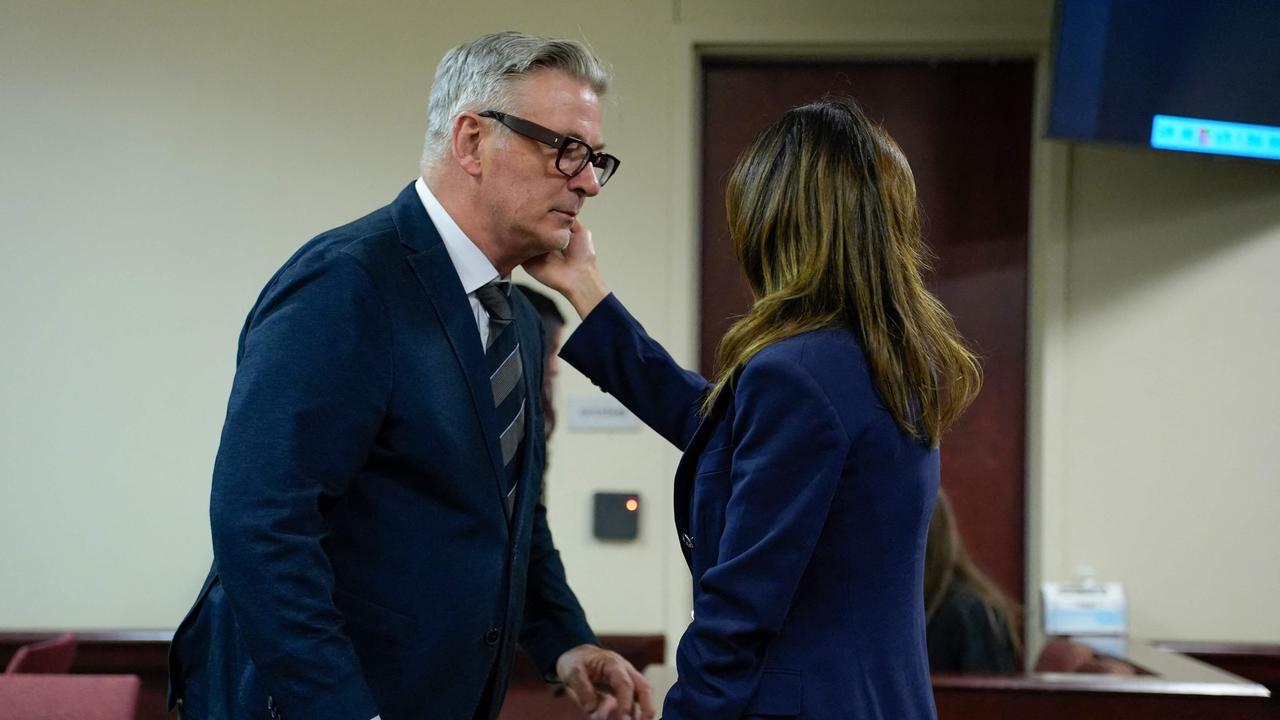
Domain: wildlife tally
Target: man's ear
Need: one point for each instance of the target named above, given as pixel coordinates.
(466, 136)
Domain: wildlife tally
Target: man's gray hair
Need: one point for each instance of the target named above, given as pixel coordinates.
(480, 75)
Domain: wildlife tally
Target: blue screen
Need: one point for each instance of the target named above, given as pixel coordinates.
(1210, 136)
(1119, 65)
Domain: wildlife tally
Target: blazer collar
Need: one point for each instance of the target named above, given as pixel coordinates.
(436, 273)
(474, 268)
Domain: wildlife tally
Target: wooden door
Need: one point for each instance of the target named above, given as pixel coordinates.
(966, 129)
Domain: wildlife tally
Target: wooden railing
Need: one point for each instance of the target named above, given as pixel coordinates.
(1174, 687)
(145, 654)
(1177, 685)
(1254, 661)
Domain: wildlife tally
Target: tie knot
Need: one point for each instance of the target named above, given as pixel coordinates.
(496, 299)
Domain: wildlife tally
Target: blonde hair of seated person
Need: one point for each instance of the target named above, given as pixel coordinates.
(947, 562)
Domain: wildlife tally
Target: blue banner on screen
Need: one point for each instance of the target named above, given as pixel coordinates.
(1169, 132)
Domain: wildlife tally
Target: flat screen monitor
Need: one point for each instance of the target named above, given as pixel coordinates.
(1187, 75)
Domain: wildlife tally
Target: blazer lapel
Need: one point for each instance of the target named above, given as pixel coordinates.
(533, 407)
(439, 279)
(686, 470)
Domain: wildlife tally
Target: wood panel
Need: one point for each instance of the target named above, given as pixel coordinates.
(1171, 685)
(966, 128)
(1258, 662)
(145, 654)
(967, 703)
(1178, 687)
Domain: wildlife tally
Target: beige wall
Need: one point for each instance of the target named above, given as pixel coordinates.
(1172, 404)
(162, 159)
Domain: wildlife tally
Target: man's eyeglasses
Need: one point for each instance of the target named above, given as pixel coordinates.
(573, 155)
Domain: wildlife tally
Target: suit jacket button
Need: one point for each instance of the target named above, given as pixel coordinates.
(492, 637)
(686, 540)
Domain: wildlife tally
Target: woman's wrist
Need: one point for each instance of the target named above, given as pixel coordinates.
(586, 292)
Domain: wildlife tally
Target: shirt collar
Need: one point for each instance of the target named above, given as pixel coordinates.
(474, 268)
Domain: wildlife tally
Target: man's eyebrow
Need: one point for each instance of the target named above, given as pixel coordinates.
(596, 148)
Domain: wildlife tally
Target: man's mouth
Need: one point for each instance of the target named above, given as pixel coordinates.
(569, 213)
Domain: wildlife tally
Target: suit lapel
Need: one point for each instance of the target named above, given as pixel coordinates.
(439, 279)
(687, 469)
(533, 408)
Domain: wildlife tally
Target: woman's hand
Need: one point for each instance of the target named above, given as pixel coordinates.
(572, 271)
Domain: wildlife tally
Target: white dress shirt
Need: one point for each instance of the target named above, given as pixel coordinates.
(474, 269)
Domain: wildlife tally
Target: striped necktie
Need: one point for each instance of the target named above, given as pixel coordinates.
(506, 374)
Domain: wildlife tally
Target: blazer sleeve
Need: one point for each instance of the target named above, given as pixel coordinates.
(788, 457)
(311, 386)
(553, 618)
(612, 349)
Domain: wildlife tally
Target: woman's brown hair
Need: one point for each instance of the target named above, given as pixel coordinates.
(947, 563)
(826, 227)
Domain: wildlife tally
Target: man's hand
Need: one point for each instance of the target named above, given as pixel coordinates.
(572, 271)
(604, 684)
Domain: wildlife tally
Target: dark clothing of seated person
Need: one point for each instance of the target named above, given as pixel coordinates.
(971, 625)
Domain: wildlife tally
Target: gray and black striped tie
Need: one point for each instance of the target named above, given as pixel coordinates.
(506, 374)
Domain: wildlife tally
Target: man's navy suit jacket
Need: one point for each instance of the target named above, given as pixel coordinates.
(802, 508)
(364, 559)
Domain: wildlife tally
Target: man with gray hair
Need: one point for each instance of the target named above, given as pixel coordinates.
(379, 543)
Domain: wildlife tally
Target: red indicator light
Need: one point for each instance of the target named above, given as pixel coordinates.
(632, 504)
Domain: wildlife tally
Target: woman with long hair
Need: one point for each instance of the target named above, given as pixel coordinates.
(810, 462)
(972, 627)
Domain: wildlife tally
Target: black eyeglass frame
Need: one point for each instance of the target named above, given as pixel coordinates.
(607, 163)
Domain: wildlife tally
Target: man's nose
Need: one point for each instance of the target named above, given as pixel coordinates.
(585, 182)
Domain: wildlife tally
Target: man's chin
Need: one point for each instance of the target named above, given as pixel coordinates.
(543, 243)
(557, 239)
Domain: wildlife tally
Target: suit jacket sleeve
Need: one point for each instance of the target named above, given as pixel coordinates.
(612, 349)
(553, 618)
(311, 386)
(789, 451)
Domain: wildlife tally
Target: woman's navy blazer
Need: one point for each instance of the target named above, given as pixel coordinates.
(802, 508)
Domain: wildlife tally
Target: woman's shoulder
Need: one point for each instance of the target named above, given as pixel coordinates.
(813, 349)
(824, 369)
(962, 603)
(966, 611)
(830, 357)
(967, 634)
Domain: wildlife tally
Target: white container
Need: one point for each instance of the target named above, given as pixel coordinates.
(1084, 607)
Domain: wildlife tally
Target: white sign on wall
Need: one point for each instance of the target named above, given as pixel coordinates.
(600, 413)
